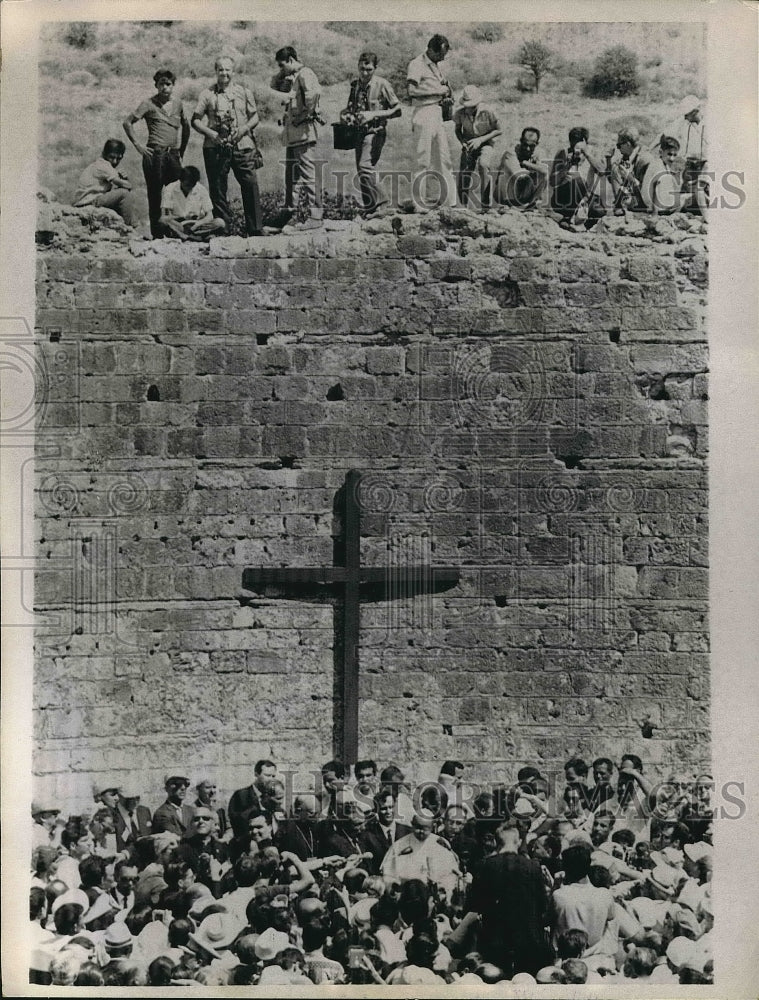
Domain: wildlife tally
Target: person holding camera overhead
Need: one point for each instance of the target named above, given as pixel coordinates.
(371, 102)
(226, 116)
(432, 101)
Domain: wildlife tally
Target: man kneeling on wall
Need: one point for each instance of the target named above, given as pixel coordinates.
(186, 209)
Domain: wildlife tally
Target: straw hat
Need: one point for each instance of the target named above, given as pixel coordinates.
(217, 932)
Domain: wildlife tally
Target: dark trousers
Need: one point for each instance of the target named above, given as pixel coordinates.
(367, 156)
(300, 174)
(160, 169)
(218, 162)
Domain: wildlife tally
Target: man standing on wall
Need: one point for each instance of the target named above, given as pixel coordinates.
(299, 134)
(371, 102)
(226, 116)
(168, 135)
(429, 90)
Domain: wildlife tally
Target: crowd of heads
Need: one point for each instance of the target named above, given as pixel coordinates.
(274, 888)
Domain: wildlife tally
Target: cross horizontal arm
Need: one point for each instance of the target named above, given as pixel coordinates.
(289, 576)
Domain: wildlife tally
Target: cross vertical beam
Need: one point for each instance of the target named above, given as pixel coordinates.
(351, 611)
(348, 582)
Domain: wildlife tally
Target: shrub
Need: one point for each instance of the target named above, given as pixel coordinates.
(537, 58)
(486, 31)
(615, 74)
(80, 34)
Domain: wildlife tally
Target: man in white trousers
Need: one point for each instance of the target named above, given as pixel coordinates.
(427, 88)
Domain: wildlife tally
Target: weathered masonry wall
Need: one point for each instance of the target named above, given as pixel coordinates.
(532, 412)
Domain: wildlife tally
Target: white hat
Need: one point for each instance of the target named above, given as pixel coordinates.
(76, 896)
(44, 804)
(664, 878)
(679, 950)
(104, 784)
(698, 851)
(275, 975)
(688, 104)
(471, 96)
(270, 944)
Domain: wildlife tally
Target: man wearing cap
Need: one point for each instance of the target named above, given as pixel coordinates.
(477, 128)
(428, 88)
(689, 130)
(174, 816)
(132, 820)
(421, 855)
(509, 894)
(248, 800)
(47, 825)
(206, 796)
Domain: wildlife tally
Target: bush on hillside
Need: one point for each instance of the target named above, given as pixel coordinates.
(615, 74)
(537, 58)
(80, 34)
(486, 31)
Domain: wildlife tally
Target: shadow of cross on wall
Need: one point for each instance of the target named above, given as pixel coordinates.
(347, 583)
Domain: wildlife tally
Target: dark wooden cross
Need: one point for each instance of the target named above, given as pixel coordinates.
(347, 582)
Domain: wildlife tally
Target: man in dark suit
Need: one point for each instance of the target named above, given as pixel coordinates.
(173, 816)
(298, 833)
(247, 801)
(132, 820)
(509, 894)
(383, 829)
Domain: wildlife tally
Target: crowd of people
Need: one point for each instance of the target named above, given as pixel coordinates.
(579, 185)
(364, 881)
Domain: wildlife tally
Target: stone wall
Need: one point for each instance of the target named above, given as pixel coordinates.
(529, 409)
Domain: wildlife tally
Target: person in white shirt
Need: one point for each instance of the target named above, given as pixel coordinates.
(186, 209)
(421, 855)
(428, 89)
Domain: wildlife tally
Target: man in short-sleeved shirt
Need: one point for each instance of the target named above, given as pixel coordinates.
(299, 133)
(168, 135)
(371, 102)
(477, 128)
(226, 116)
(102, 184)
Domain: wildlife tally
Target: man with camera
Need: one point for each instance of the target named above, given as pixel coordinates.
(299, 133)
(432, 101)
(226, 116)
(371, 102)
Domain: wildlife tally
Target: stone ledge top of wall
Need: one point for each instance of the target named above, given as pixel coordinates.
(99, 233)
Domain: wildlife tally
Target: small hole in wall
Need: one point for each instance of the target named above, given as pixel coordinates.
(262, 339)
(154, 395)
